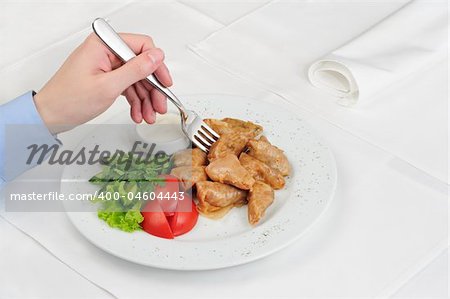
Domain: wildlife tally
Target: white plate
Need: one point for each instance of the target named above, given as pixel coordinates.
(230, 241)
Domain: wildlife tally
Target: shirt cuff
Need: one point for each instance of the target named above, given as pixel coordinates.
(20, 127)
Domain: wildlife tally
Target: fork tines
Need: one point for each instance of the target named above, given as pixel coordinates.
(205, 137)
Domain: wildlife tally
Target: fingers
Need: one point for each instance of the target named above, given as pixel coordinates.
(163, 75)
(145, 103)
(138, 42)
(135, 103)
(159, 101)
(128, 79)
(164, 78)
(133, 71)
(148, 113)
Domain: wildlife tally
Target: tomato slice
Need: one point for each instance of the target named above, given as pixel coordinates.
(166, 216)
(185, 217)
(155, 222)
(165, 194)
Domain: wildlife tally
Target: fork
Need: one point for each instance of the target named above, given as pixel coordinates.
(192, 124)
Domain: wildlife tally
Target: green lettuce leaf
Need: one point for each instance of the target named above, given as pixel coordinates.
(127, 221)
(127, 176)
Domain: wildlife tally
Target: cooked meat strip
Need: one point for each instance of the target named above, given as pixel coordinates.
(269, 154)
(189, 175)
(213, 212)
(228, 170)
(232, 125)
(244, 126)
(190, 157)
(261, 171)
(264, 138)
(259, 198)
(219, 126)
(218, 194)
(233, 143)
(234, 135)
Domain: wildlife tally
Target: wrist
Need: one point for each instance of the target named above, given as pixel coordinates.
(44, 110)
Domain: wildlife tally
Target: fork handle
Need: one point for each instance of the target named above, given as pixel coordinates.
(118, 46)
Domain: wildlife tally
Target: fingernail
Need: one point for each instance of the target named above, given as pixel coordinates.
(152, 117)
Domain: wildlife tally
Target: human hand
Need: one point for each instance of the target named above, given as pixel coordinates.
(92, 77)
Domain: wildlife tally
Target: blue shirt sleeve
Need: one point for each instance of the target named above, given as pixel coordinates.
(20, 127)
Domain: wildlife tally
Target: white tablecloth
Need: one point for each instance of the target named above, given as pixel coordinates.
(309, 267)
(275, 45)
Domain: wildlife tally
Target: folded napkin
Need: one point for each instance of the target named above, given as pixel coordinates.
(274, 47)
(406, 41)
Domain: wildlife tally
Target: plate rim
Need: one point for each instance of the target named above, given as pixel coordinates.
(235, 262)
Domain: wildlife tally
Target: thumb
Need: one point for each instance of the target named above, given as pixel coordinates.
(134, 70)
